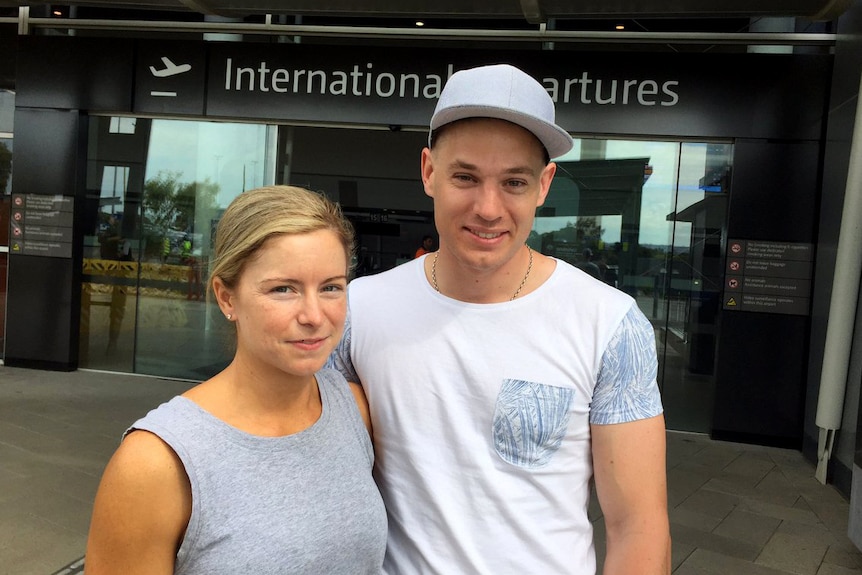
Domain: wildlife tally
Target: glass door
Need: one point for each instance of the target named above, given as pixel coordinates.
(648, 218)
(155, 192)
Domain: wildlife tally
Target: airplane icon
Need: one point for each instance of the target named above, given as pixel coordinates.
(170, 68)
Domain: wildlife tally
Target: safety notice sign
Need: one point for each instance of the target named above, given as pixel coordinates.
(771, 277)
(41, 225)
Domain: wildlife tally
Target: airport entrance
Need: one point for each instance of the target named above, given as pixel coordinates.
(649, 216)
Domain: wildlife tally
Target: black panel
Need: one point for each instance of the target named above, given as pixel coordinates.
(43, 298)
(39, 311)
(774, 195)
(760, 388)
(69, 72)
(762, 357)
(8, 46)
(45, 151)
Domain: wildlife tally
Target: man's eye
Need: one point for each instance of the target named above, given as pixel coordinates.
(281, 289)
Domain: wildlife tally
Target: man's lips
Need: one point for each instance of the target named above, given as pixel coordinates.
(485, 235)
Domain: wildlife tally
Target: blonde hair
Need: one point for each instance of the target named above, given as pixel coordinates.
(257, 215)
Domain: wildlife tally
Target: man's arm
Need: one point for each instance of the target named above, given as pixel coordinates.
(340, 359)
(631, 483)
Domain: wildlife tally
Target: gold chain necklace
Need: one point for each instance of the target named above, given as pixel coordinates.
(517, 291)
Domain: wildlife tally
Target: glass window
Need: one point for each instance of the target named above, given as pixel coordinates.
(156, 190)
(122, 125)
(648, 218)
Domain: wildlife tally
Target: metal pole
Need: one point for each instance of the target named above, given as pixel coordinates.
(845, 293)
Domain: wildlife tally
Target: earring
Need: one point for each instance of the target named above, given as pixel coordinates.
(228, 317)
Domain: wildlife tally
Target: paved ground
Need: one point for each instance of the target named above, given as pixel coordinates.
(735, 509)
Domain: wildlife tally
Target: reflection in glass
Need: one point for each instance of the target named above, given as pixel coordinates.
(648, 219)
(155, 192)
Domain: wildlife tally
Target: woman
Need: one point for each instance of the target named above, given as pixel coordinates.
(266, 467)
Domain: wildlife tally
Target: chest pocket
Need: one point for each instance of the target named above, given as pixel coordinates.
(530, 420)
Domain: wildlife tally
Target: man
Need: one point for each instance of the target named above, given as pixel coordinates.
(589, 265)
(518, 379)
(426, 248)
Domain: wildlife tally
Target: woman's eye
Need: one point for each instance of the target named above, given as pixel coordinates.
(333, 288)
(281, 289)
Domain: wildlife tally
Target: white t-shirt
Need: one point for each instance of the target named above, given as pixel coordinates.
(481, 415)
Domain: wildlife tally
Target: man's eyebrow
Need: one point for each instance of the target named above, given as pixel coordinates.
(462, 165)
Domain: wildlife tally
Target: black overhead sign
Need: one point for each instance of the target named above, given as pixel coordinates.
(778, 96)
(675, 94)
(170, 78)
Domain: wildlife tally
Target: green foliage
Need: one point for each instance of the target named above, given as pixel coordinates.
(170, 206)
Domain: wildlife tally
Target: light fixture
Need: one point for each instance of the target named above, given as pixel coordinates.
(58, 13)
(620, 27)
(419, 23)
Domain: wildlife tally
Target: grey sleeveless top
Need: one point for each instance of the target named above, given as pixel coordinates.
(302, 503)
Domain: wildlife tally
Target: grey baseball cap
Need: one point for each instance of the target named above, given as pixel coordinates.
(504, 92)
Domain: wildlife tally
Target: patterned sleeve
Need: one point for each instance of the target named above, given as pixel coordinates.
(339, 359)
(626, 389)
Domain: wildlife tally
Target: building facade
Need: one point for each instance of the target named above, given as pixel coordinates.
(708, 182)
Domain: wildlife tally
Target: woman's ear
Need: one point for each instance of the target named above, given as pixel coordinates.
(223, 296)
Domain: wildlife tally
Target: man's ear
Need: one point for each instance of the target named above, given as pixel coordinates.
(545, 179)
(427, 166)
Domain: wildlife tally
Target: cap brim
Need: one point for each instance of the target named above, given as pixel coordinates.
(557, 141)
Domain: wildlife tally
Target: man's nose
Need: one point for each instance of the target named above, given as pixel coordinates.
(488, 204)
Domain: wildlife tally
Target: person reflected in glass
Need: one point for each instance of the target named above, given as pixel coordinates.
(266, 467)
(112, 246)
(189, 259)
(426, 248)
(589, 265)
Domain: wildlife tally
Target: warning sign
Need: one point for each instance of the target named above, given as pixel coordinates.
(773, 277)
(41, 225)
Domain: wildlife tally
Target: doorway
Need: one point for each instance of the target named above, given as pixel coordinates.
(651, 216)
